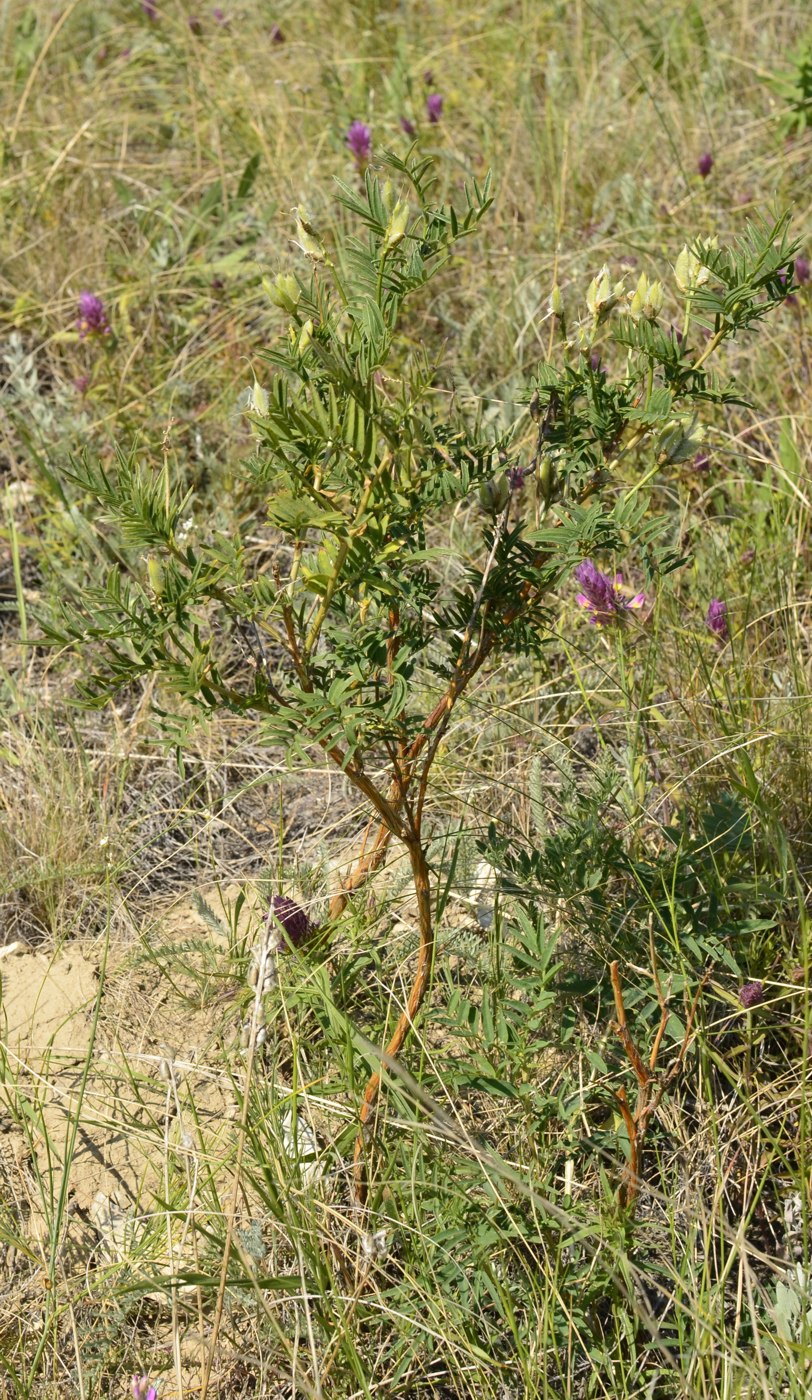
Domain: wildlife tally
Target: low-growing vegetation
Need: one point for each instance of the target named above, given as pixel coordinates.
(404, 574)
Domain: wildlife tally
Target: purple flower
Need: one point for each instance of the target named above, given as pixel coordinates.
(292, 918)
(802, 270)
(516, 476)
(277, 37)
(701, 462)
(603, 596)
(142, 1390)
(751, 994)
(408, 127)
(359, 140)
(92, 318)
(705, 164)
(81, 384)
(434, 107)
(716, 618)
(219, 16)
(150, 9)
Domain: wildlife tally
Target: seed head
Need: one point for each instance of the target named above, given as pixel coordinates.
(751, 994)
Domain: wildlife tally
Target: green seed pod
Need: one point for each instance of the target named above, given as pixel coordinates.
(548, 479)
(494, 495)
(155, 575)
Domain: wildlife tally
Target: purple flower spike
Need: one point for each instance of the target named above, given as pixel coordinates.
(751, 994)
(277, 37)
(92, 318)
(434, 107)
(292, 918)
(408, 127)
(142, 1390)
(716, 618)
(219, 16)
(705, 164)
(802, 270)
(359, 140)
(701, 462)
(603, 596)
(150, 9)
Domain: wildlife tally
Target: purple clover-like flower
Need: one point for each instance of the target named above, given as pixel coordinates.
(292, 918)
(219, 16)
(751, 994)
(434, 107)
(701, 462)
(705, 164)
(603, 596)
(81, 384)
(359, 140)
(277, 37)
(142, 1390)
(802, 270)
(92, 318)
(515, 477)
(716, 618)
(408, 127)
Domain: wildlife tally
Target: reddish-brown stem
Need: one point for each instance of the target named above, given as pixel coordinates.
(629, 1184)
(370, 861)
(425, 956)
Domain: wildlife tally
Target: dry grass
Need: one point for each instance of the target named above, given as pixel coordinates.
(125, 142)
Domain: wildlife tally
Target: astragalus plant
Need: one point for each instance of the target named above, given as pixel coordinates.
(359, 626)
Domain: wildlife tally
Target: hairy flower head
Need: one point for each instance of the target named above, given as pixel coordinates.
(285, 914)
(92, 318)
(359, 140)
(716, 618)
(603, 596)
(434, 107)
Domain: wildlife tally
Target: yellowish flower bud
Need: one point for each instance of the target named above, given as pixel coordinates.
(654, 301)
(307, 238)
(284, 291)
(689, 271)
(258, 402)
(601, 295)
(637, 298)
(396, 228)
